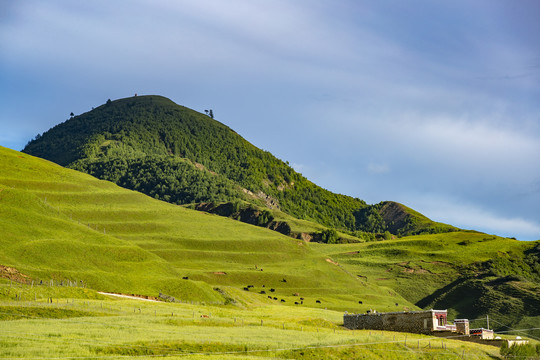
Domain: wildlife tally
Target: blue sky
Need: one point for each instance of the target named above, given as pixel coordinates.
(434, 104)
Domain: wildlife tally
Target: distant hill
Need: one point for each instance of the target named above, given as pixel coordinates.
(173, 153)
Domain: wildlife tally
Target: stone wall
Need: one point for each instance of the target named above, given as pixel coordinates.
(421, 322)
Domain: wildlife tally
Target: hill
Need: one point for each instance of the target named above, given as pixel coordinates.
(173, 153)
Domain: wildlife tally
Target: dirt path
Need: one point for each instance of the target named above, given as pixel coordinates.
(127, 296)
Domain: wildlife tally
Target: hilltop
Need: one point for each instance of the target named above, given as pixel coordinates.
(175, 154)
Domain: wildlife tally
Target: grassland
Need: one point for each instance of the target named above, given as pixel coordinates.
(95, 326)
(64, 225)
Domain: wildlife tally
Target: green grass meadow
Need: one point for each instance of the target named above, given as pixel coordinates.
(93, 326)
(67, 226)
(66, 235)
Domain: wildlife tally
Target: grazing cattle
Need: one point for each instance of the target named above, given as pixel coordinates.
(263, 292)
(302, 302)
(360, 302)
(318, 301)
(205, 316)
(296, 294)
(269, 297)
(263, 286)
(296, 303)
(246, 289)
(283, 280)
(301, 298)
(250, 286)
(272, 290)
(275, 298)
(185, 278)
(282, 300)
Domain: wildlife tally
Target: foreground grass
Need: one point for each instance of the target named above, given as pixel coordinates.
(89, 328)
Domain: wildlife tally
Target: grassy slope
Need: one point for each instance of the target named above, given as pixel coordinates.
(64, 224)
(443, 271)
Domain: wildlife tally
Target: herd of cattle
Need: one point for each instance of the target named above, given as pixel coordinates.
(246, 288)
(301, 302)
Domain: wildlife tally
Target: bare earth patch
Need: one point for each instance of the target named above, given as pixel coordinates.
(332, 261)
(13, 274)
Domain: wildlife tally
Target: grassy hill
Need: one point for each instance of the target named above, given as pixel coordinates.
(65, 225)
(172, 153)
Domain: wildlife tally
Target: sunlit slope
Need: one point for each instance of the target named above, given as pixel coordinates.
(61, 223)
(469, 273)
(418, 265)
(43, 239)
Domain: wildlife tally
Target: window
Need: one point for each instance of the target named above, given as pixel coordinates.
(442, 321)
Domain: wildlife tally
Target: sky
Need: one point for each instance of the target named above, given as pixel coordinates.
(433, 104)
